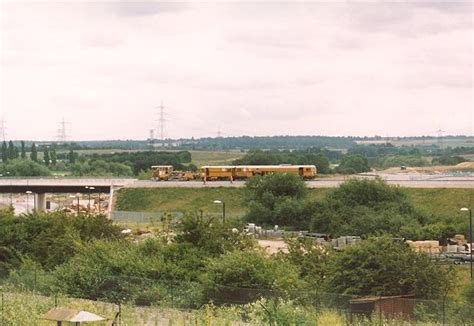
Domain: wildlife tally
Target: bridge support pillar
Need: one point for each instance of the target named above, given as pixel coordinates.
(40, 202)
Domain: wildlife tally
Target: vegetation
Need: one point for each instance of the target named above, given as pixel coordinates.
(49, 239)
(203, 260)
(351, 164)
(276, 199)
(308, 157)
(438, 207)
(386, 267)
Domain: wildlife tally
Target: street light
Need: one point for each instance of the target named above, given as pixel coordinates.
(77, 197)
(465, 209)
(223, 208)
(28, 193)
(90, 190)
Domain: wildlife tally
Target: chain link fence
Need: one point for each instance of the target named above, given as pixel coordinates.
(28, 294)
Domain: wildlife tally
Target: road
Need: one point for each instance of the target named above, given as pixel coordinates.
(404, 180)
(73, 185)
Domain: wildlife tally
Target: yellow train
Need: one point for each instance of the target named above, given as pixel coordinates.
(242, 172)
(166, 172)
(231, 172)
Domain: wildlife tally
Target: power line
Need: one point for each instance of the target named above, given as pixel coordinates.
(161, 122)
(3, 129)
(62, 131)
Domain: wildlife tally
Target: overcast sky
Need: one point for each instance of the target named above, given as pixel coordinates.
(250, 68)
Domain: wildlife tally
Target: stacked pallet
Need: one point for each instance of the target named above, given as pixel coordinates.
(427, 246)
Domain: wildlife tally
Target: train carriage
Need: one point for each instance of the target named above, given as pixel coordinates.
(242, 172)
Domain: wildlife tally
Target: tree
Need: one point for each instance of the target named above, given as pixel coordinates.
(53, 156)
(46, 157)
(34, 153)
(249, 269)
(351, 164)
(382, 266)
(23, 151)
(25, 168)
(12, 151)
(4, 152)
(276, 199)
(365, 207)
(72, 157)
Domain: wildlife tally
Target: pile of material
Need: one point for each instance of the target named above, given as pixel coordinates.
(427, 246)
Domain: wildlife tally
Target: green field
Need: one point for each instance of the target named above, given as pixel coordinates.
(429, 201)
(443, 142)
(200, 158)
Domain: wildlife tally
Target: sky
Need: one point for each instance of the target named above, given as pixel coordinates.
(336, 68)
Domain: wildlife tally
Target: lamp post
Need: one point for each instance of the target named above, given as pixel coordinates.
(465, 209)
(76, 197)
(223, 208)
(28, 201)
(89, 192)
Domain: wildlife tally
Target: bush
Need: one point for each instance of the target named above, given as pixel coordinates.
(276, 199)
(366, 207)
(146, 273)
(51, 239)
(351, 164)
(249, 269)
(382, 266)
(24, 168)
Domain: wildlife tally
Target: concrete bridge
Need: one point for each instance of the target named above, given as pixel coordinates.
(40, 186)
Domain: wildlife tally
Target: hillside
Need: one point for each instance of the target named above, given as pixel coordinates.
(440, 201)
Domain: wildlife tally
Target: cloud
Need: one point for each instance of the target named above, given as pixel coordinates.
(307, 68)
(129, 8)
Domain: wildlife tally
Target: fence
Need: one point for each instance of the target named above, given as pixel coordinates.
(27, 294)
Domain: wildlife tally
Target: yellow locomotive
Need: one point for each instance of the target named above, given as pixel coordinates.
(166, 172)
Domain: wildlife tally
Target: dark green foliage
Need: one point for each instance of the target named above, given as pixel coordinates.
(34, 153)
(100, 168)
(351, 164)
(366, 207)
(272, 142)
(72, 157)
(9, 260)
(381, 266)
(51, 239)
(4, 152)
(12, 151)
(24, 168)
(141, 161)
(46, 157)
(399, 160)
(147, 272)
(447, 160)
(307, 157)
(209, 235)
(23, 150)
(276, 199)
(53, 156)
(248, 269)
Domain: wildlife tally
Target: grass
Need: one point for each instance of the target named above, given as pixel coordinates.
(445, 142)
(440, 201)
(181, 199)
(200, 158)
(26, 308)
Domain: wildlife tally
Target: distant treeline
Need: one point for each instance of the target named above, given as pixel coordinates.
(314, 156)
(142, 161)
(245, 142)
(275, 142)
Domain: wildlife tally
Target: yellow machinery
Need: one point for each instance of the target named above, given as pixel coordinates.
(166, 172)
(232, 172)
(240, 172)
